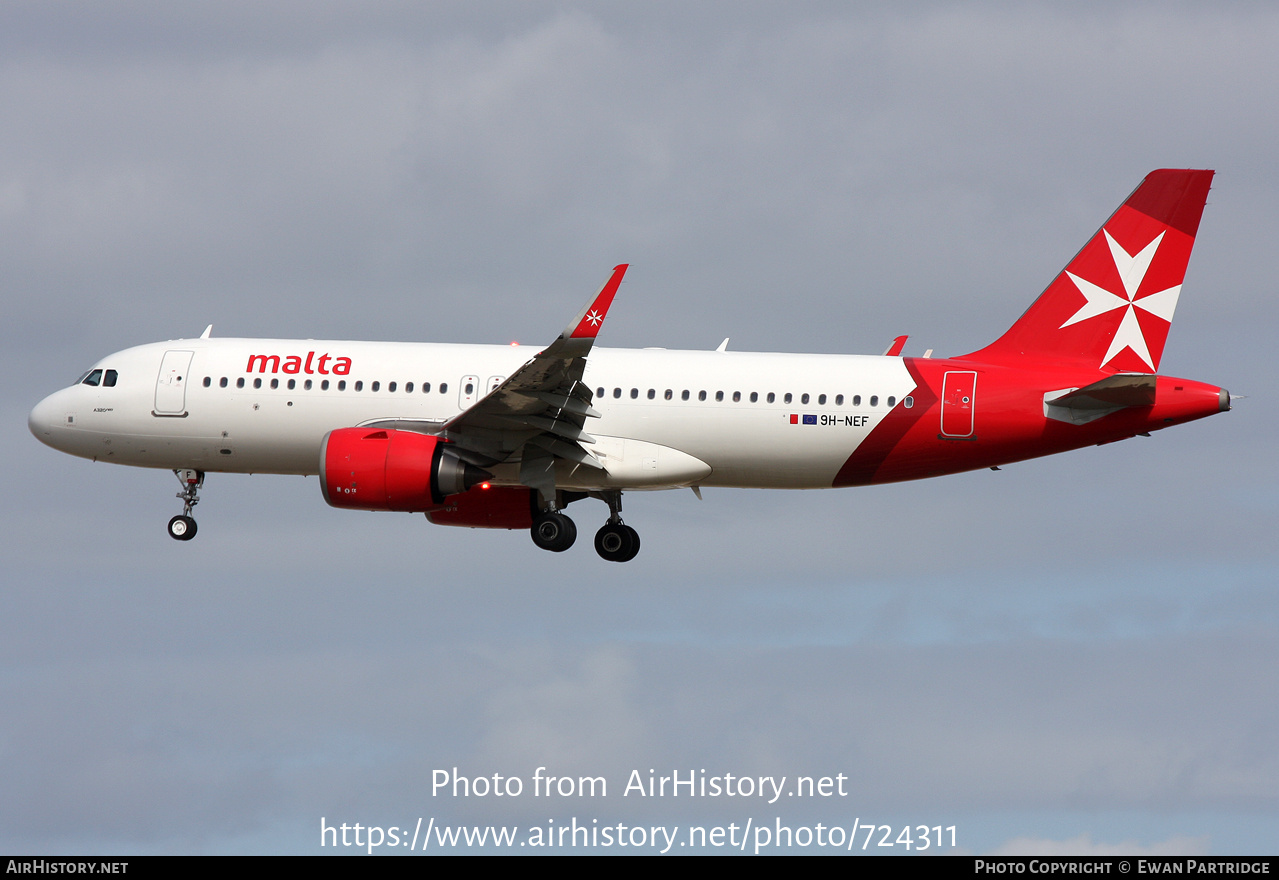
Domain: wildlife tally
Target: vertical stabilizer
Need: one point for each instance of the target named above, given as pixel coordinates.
(1112, 306)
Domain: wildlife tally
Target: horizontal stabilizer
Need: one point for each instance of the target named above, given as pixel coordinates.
(1082, 405)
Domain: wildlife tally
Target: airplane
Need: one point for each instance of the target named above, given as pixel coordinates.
(487, 436)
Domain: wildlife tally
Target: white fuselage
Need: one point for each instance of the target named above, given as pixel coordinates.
(668, 418)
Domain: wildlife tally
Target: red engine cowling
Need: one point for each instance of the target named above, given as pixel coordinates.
(487, 507)
(376, 469)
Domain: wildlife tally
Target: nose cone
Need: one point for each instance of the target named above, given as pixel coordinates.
(47, 419)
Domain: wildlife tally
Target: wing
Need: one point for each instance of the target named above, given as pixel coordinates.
(539, 413)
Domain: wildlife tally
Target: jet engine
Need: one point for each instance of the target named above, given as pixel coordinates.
(378, 469)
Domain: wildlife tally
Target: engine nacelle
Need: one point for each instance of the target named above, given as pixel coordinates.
(488, 507)
(377, 469)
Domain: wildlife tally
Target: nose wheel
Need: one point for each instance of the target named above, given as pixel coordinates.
(182, 527)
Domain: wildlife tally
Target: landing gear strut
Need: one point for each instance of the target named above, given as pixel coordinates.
(182, 527)
(616, 541)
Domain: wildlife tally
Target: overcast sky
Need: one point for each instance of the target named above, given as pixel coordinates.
(1074, 654)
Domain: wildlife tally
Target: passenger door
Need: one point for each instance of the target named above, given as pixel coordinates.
(171, 384)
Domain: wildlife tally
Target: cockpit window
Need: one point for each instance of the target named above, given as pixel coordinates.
(94, 377)
(108, 380)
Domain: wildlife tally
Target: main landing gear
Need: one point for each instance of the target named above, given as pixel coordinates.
(617, 542)
(182, 527)
(614, 542)
(554, 531)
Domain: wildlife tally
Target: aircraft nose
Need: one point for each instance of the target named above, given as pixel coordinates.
(44, 418)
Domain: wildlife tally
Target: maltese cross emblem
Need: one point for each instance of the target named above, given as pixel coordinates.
(1132, 270)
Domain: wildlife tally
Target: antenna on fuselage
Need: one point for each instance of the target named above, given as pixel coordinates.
(208, 331)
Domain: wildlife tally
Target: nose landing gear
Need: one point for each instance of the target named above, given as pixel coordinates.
(182, 527)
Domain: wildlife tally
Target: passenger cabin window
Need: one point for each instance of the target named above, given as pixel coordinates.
(239, 383)
(257, 383)
(378, 385)
(324, 385)
(444, 387)
(786, 398)
(804, 397)
(222, 382)
(275, 383)
(684, 394)
(771, 397)
(874, 400)
(293, 384)
(208, 381)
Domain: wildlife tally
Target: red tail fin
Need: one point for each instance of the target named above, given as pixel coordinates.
(1111, 307)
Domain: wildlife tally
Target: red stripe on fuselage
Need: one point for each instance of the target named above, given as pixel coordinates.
(870, 454)
(1009, 422)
